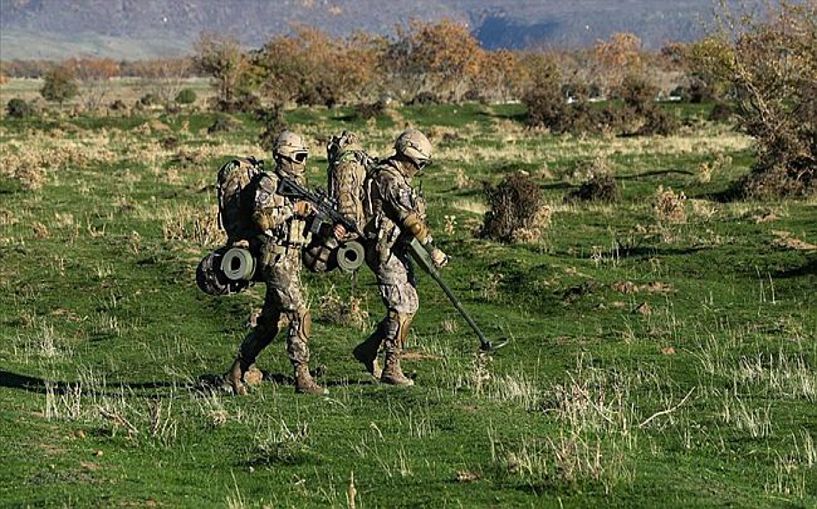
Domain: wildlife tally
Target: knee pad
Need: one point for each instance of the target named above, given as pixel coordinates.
(300, 323)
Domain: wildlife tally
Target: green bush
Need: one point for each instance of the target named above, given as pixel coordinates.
(18, 108)
(186, 96)
(59, 85)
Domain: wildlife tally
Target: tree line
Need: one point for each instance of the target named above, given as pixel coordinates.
(761, 71)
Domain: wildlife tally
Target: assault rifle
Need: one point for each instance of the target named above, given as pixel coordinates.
(326, 207)
(350, 254)
(423, 259)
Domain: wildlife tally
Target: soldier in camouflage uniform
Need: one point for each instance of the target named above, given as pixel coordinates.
(278, 252)
(346, 175)
(396, 214)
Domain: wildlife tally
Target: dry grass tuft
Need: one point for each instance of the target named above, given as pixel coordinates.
(669, 207)
(461, 180)
(598, 183)
(707, 169)
(189, 224)
(346, 312)
(30, 177)
(787, 240)
(517, 211)
(40, 230)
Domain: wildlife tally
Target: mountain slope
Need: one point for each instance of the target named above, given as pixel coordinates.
(141, 28)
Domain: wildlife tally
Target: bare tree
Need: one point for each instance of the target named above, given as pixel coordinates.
(223, 59)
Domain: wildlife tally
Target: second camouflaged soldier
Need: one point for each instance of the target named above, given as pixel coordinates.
(348, 163)
(396, 213)
(281, 223)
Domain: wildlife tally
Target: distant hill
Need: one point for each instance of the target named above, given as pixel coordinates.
(149, 28)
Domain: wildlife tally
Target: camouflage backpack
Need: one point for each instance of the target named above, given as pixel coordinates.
(236, 186)
(346, 174)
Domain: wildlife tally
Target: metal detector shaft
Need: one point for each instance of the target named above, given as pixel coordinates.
(423, 259)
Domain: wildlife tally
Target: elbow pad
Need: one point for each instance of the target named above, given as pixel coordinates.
(417, 227)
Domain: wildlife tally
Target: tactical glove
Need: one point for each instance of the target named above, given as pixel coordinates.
(439, 258)
(302, 208)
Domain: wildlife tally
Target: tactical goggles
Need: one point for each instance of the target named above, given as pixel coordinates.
(300, 157)
(423, 164)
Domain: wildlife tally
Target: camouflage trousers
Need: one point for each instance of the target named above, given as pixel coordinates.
(398, 291)
(396, 281)
(284, 298)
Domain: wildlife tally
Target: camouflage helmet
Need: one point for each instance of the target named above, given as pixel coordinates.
(290, 146)
(414, 146)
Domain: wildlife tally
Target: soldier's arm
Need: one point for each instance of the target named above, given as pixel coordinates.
(270, 209)
(406, 213)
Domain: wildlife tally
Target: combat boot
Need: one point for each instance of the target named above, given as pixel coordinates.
(366, 354)
(304, 383)
(392, 373)
(235, 378)
(397, 327)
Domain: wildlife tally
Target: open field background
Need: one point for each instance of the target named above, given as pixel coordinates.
(658, 358)
(127, 90)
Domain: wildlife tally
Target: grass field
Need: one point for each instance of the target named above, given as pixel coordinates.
(660, 356)
(128, 90)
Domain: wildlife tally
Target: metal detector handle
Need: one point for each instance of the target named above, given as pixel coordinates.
(423, 259)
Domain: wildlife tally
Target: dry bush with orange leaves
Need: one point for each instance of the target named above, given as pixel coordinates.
(616, 58)
(437, 57)
(94, 74)
(770, 66)
(310, 67)
(499, 78)
(224, 60)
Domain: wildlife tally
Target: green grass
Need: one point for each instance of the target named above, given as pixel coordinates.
(107, 347)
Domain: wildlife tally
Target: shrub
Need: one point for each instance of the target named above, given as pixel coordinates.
(223, 124)
(186, 96)
(637, 92)
(669, 207)
(59, 85)
(223, 60)
(659, 122)
(721, 112)
(544, 99)
(640, 108)
(771, 69)
(599, 184)
(517, 211)
(425, 99)
(118, 105)
(242, 103)
(18, 108)
(699, 91)
(149, 99)
(365, 111)
(274, 123)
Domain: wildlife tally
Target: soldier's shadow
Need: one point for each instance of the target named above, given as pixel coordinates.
(43, 386)
(152, 389)
(319, 374)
